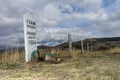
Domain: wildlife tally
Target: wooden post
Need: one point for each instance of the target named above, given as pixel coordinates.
(70, 43)
(82, 48)
(88, 47)
(91, 48)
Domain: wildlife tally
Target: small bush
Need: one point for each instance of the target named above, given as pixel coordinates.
(83, 64)
(16, 75)
(10, 66)
(64, 53)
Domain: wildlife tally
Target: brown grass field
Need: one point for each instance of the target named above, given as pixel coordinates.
(98, 65)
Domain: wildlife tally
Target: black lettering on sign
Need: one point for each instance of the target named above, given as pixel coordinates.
(31, 33)
(33, 37)
(33, 23)
(30, 22)
(30, 26)
(29, 37)
(31, 42)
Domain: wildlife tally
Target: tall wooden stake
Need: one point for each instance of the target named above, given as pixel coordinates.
(82, 48)
(70, 43)
(88, 47)
(91, 48)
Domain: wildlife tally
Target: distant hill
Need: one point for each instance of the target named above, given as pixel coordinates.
(95, 43)
(45, 47)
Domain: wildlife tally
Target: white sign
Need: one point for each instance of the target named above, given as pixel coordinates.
(29, 34)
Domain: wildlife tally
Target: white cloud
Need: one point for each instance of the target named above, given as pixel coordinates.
(9, 21)
(49, 15)
(57, 34)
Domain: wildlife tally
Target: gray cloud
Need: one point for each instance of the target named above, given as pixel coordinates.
(49, 14)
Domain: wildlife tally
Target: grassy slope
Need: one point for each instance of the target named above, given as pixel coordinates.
(104, 65)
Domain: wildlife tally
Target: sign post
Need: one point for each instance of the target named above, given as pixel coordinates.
(29, 34)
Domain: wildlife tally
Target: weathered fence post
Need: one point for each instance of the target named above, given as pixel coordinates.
(82, 47)
(88, 47)
(70, 43)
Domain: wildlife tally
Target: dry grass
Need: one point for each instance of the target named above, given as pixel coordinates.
(64, 53)
(11, 56)
(114, 51)
(11, 59)
(16, 56)
(99, 65)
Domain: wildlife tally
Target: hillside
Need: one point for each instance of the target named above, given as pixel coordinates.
(95, 43)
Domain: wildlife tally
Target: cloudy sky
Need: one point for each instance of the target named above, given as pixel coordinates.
(57, 18)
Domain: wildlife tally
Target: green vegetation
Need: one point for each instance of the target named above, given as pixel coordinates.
(17, 75)
(6, 66)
